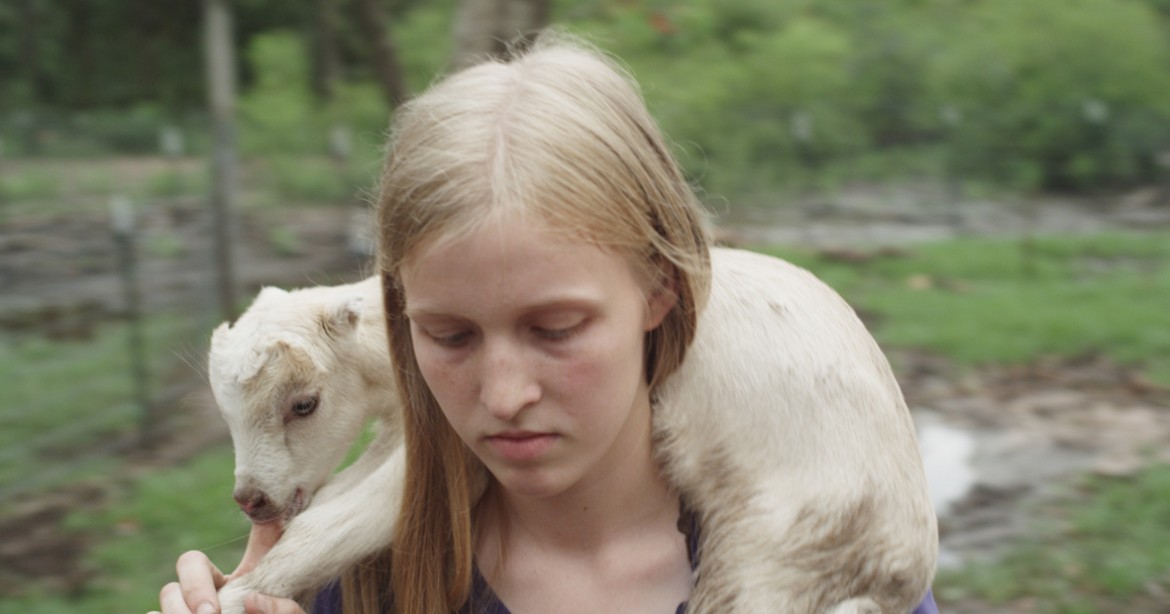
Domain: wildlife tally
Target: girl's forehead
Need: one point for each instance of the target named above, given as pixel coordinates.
(525, 244)
(502, 229)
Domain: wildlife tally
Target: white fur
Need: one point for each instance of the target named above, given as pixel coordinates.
(784, 431)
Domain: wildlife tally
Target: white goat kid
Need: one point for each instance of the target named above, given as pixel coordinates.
(784, 431)
(297, 377)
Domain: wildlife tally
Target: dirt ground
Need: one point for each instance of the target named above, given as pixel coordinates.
(1030, 428)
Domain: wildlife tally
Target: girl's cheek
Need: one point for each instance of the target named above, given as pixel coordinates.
(439, 373)
(589, 371)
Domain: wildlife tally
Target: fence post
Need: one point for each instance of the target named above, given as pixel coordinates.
(122, 223)
(221, 79)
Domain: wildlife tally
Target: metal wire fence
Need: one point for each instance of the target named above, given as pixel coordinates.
(107, 296)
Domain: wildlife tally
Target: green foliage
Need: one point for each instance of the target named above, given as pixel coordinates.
(1027, 95)
(303, 179)
(280, 118)
(1056, 93)
(422, 37)
(755, 92)
(995, 301)
(761, 95)
(276, 113)
(789, 95)
(1098, 553)
(134, 129)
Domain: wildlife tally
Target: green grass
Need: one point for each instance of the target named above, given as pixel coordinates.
(36, 186)
(61, 397)
(997, 301)
(1104, 552)
(137, 540)
(175, 182)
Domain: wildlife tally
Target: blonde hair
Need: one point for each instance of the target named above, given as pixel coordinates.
(559, 133)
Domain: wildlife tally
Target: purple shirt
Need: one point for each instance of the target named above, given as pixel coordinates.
(328, 601)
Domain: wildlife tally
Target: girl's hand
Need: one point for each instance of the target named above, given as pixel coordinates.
(200, 580)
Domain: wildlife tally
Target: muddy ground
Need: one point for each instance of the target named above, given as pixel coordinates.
(995, 440)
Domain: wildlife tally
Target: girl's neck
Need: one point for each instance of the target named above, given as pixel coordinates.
(586, 519)
(620, 551)
(607, 544)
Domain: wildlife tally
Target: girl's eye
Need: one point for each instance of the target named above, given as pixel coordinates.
(453, 340)
(557, 334)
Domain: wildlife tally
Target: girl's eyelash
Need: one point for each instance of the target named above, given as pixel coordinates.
(450, 341)
(558, 334)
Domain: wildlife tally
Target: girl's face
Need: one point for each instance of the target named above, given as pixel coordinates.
(532, 345)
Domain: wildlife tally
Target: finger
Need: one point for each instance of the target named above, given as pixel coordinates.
(170, 599)
(261, 539)
(198, 580)
(263, 604)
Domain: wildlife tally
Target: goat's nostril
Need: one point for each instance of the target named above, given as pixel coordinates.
(251, 502)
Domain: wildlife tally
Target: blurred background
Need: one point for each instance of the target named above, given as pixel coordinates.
(986, 181)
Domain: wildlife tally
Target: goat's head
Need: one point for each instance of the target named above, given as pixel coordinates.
(291, 399)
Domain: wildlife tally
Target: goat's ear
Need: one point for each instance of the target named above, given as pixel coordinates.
(221, 331)
(268, 293)
(342, 317)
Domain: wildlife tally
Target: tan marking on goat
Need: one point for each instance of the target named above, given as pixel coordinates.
(295, 362)
(839, 552)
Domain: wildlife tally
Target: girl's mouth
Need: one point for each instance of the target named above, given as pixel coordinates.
(522, 446)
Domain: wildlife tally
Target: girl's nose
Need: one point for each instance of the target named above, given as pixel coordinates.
(507, 384)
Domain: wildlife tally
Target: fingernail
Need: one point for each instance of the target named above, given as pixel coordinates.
(206, 608)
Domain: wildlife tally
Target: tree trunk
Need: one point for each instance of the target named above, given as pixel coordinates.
(37, 89)
(490, 28)
(80, 45)
(323, 46)
(372, 21)
(221, 88)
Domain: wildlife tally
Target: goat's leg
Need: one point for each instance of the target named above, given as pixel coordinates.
(326, 539)
(375, 455)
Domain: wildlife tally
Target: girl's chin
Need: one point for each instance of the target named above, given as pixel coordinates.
(530, 484)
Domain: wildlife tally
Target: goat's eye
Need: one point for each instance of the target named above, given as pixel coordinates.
(305, 406)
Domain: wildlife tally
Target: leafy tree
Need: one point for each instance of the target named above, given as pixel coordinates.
(1056, 93)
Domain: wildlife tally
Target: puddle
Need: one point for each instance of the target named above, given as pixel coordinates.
(947, 456)
(980, 478)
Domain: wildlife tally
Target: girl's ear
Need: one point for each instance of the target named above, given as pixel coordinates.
(663, 297)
